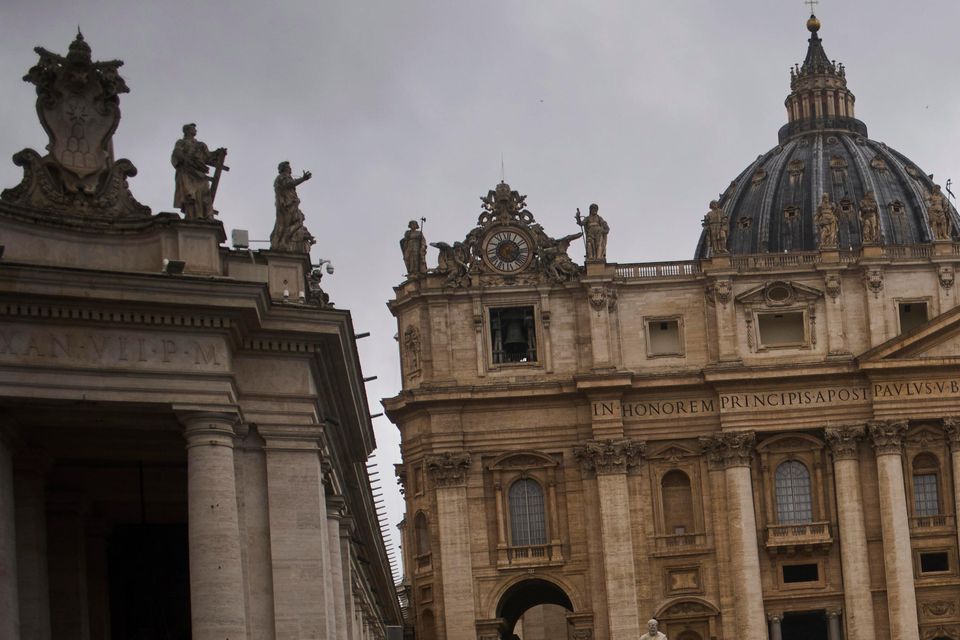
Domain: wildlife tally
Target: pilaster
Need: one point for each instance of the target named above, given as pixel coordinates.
(951, 427)
(335, 510)
(733, 450)
(887, 439)
(9, 593)
(448, 471)
(31, 536)
(610, 461)
(854, 560)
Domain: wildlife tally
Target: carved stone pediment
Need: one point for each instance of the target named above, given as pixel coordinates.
(522, 460)
(779, 293)
(79, 107)
(672, 453)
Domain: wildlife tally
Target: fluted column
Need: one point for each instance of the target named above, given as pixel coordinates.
(610, 460)
(298, 531)
(854, 559)
(9, 599)
(897, 556)
(335, 506)
(733, 450)
(951, 427)
(217, 605)
(449, 474)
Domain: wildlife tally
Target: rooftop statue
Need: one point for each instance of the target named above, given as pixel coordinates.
(826, 221)
(716, 222)
(78, 105)
(938, 210)
(414, 249)
(289, 233)
(870, 219)
(195, 189)
(595, 230)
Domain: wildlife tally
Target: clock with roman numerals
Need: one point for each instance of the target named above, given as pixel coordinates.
(506, 250)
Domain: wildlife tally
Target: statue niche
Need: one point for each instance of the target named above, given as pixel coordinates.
(78, 105)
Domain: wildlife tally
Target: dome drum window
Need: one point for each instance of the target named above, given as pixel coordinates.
(780, 315)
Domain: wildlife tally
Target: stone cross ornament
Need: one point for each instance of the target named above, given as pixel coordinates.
(78, 105)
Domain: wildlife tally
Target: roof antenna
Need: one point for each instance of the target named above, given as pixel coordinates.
(503, 173)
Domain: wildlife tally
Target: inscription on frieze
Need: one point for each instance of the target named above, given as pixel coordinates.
(104, 348)
(937, 388)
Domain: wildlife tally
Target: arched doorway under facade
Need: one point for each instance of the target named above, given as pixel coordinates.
(552, 605)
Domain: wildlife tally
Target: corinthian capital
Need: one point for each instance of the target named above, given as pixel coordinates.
(844, 441)
(609, 456)
(888, 435)
(729, 448)
(448, 469)
(951, 427)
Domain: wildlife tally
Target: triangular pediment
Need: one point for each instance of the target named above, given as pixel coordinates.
(779, 293)
(671, 452)
(936, 342)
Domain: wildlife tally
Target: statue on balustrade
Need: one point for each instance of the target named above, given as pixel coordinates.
(870, 219)
(716, 223)
(195, 189)
(938, 212)
(289, 233)
(414, 249)
(595, 230)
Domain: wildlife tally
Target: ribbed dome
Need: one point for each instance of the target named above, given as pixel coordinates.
(771, 207)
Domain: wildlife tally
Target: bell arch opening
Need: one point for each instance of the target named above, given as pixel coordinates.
(526, 595)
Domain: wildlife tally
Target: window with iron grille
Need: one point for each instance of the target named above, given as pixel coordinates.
(926, 501)
(527, 515)
(794, 505)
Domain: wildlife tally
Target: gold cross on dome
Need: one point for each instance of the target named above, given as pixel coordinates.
(811, 3)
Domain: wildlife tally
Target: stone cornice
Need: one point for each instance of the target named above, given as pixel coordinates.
(844, 441)
(448, 469)
(609, 456)
(887, 436)
(729, 448)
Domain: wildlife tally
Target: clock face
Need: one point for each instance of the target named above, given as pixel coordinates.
(506, 250)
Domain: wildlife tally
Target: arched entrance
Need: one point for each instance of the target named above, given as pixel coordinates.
(530, 594)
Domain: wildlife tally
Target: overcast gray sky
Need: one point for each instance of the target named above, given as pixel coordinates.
(402, 109)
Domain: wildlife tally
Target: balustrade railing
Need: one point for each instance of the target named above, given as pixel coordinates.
(651, 270)
(680, 541)
(940, 521)
(798, 534)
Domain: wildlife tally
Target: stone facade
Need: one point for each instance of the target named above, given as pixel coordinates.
(740, 446)
(182, 443)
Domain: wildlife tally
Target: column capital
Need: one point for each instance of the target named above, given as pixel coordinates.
(729, 448)
(609, 456)
(844, 441)
(336, 507)
(448, 469)
(887, 436)
(951, 428)
(834, 613)
(291, 437)
(208, 427)
(775, 618)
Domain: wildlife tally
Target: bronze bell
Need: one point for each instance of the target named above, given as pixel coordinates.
(515, 339)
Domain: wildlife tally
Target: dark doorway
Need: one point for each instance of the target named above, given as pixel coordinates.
(526, 595)
(804, 625)
(149, 582)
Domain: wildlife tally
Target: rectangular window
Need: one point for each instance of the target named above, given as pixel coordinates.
(938, 562)
(781, 329)
(794, 573)
(925, 499)
(664, 337)
(513, 335)
(912, 315)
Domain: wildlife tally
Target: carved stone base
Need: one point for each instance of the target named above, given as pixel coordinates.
(44, 188)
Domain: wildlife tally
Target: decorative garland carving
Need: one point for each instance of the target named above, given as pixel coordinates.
(609, 456)
(729, 448)
(448, 469)
(887, 436)
(844, 441)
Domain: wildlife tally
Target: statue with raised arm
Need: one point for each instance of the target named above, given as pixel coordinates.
(826, 222)
(195, 188)
(652, 631)
(414, 249)
(595, 230)
(289, 233)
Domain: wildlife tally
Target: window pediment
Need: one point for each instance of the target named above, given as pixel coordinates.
(671, 453)
(519, 461)
(790, 442)
(779, 293)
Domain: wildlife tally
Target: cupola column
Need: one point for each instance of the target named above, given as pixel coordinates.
(857, 598)
(897, 556)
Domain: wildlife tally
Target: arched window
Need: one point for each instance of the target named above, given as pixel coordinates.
(794, 505)
(427, 629)
(421, 532)
(677, 502)
(527, 520)
(926, 497)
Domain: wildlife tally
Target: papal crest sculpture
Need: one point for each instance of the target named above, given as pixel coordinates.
(79, 107)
